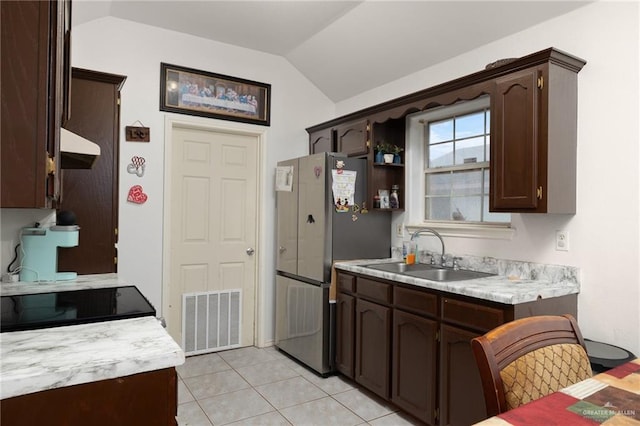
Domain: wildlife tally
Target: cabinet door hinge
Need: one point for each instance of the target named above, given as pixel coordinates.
(51, 166)
(115, 231)
(368, 144)
(540, 82)
(436, 414)
(115, 260)
(539, 192)
(438, 336)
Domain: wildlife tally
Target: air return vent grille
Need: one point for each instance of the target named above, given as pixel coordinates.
(211, 321)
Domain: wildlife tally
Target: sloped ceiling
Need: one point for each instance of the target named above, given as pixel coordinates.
(343, 47)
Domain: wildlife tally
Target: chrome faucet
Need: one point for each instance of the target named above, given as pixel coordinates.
(434, 232)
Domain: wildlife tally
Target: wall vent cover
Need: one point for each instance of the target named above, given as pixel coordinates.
(211, 321)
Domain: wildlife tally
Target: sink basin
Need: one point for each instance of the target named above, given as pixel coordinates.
(428, 272)
(401, 267)
(447, 274)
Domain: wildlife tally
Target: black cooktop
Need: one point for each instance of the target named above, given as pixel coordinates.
(44, 310)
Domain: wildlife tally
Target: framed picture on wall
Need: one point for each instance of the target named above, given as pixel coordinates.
(193, 92)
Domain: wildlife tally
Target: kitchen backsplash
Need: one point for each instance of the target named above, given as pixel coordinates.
(510, 268)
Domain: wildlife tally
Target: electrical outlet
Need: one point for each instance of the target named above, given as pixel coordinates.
(562, 240)
(400, 230)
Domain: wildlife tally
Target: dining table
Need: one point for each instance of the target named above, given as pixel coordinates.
(609, 398)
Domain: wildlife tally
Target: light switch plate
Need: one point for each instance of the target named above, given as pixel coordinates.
(400, 230)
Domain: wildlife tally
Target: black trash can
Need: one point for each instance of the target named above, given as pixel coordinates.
(604, 357)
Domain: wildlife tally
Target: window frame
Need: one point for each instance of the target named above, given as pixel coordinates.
(415, 168)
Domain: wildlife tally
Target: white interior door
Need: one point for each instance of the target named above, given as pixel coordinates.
(213, 225)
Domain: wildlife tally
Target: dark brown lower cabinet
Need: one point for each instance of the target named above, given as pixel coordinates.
(461, 397)
(140, 399)
(345, 317)
(413, 371)
(412, 345)
(373, 341)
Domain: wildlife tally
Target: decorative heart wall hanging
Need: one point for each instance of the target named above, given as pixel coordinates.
(137, 195)
(136, 166)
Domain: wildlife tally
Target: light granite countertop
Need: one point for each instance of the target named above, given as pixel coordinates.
(83, 282)
(511, 285)
(37, 360)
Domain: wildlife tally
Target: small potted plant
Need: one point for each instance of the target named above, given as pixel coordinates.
(381, 150)
(396, 150)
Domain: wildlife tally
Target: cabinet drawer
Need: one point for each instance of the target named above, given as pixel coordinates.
(420, 302)
(346, 283)
(472, 315)
(374, 290)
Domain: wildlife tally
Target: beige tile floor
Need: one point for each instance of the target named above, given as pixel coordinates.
(251, 386)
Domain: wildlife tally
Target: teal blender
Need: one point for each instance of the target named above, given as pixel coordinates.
(40, 252)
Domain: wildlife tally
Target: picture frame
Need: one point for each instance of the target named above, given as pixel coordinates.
(206, 94)
(384, 198)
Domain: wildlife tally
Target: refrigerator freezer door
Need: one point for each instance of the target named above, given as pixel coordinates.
(313, 220)
(303, 322)
(369, 235)
(287, 223)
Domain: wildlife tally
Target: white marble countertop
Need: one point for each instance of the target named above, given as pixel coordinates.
(508, 289)
(37, 360)
(81, 283)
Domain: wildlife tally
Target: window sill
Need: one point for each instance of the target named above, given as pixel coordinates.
(495, 232)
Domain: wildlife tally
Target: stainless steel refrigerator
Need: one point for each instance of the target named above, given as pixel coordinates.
(317, 224)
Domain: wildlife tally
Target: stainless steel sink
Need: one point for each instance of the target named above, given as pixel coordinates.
(429, 272)
(445, 274)
(401, 267)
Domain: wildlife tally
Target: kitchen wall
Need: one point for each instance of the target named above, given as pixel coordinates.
(604, 234)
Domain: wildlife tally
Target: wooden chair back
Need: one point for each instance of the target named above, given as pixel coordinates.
(529, 358)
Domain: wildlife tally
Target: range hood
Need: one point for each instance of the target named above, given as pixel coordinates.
(77, 152)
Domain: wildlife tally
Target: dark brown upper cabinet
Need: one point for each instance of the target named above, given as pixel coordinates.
(92, 194)
(534, 137)
(533, 131)
(321, 141)
(35, 88)
(387, 175)
(352, 139)
(514, 144)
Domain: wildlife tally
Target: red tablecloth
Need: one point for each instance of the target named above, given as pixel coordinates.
(609, 398)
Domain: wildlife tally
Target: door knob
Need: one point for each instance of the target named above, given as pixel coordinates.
(282, 249)
(250, 251)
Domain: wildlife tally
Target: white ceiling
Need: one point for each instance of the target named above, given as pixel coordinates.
(343, 47)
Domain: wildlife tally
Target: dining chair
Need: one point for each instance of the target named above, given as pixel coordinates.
(529, 358)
